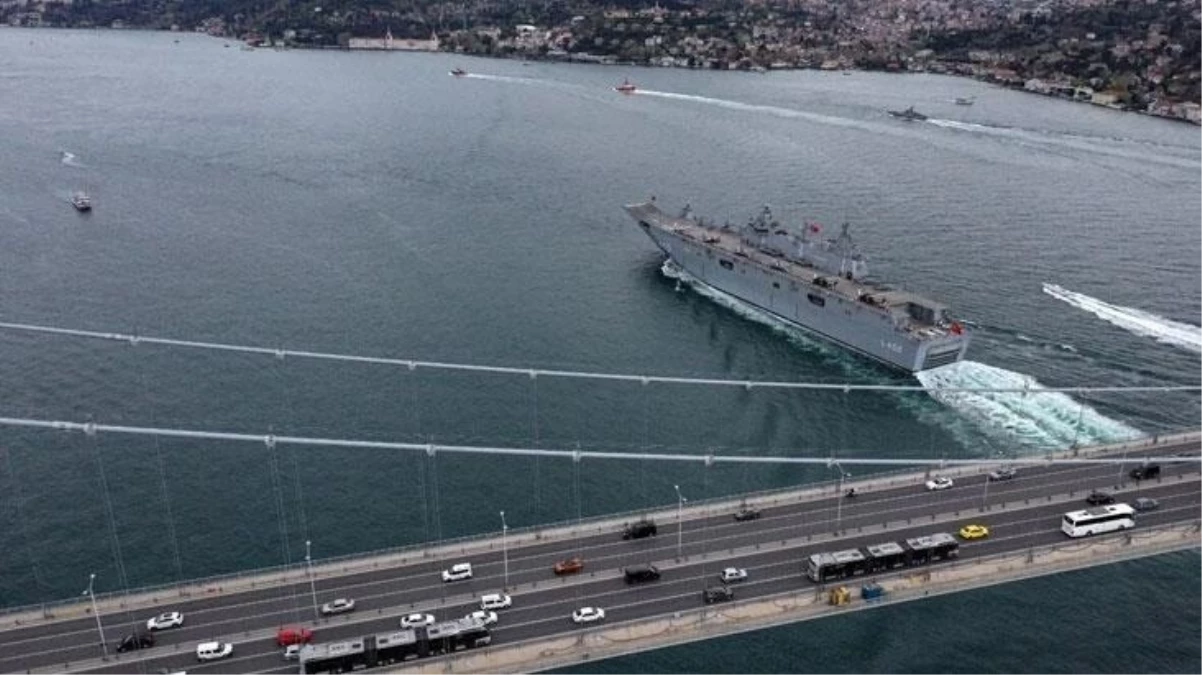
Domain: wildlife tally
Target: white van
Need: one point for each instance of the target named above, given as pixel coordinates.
(495, 601)
(211, 651)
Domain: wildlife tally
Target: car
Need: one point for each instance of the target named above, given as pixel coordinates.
(165, 621)
(457, 572)
(569, 566)
(339, 606)
(488, 618)
(135, 641)
(417, 620)
(747, 513)
(293, 636)
(717, 594)
(639, 530)
(211, 651)
(733, 574)
(495, 601)
(1145, 471)
(1004, 473)
(588, 615)
(974, 532)
(939, 483)
(1145, 504)
(1098, 498)
(292, 652)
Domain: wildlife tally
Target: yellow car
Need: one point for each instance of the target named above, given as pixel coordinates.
(974, 532)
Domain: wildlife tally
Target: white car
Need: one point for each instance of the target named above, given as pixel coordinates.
(495, 601)
(733, 574)
(939, 483)
(165, 621)
(292, 652)
(338, 606)
(458, 572)
(211, 651)
(489, 618)
(588, 615)
(417, 620)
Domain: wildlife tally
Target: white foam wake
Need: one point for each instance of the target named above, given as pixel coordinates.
(69, 159)
(1039, 418)
(1137, 321)
(748, 107)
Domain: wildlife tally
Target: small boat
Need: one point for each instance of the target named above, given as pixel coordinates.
(459, 72)
(625, 88)
(81, 201)
(909, 114)
(964, 100)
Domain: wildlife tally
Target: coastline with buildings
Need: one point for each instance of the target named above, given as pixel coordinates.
(1134, 55)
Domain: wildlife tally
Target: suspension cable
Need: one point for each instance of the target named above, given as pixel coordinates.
(432, 449)
(412, 364)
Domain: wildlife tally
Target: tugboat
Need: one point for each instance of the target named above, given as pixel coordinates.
(459, 72)
(909, 114)
(81, 201)
(625, 88)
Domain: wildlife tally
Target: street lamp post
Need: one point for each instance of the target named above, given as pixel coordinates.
(680, 500)
(312, 584)
(505, 548)
(99, 627)
(839, 499)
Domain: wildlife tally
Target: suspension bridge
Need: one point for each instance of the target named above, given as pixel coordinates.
(695, 542)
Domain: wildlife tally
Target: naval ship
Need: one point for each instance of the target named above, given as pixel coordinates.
(817, 284)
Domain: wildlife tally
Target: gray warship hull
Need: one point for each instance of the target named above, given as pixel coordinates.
(832, 307)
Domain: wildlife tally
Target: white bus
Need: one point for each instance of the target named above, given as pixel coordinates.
(1098, 520)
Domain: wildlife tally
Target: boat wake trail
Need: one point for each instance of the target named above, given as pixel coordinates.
(1039, 418)
(69, 159)
(769, 109)
(1110, 147)
(1137, 321)
(503, 78)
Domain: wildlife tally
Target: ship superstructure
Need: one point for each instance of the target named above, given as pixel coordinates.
(815, 283)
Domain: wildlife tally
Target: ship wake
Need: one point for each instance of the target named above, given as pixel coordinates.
(1137, 321)
(1036, 417)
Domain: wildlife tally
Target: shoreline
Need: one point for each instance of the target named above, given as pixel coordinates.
(607, 60)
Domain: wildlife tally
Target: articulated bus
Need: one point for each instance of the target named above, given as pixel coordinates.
(373, 651)
(882, 557)
(1098, 520)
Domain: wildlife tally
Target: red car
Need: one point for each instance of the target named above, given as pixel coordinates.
(569, 566)
(293, 636)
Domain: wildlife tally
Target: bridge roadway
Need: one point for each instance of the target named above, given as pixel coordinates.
(1022, 513)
